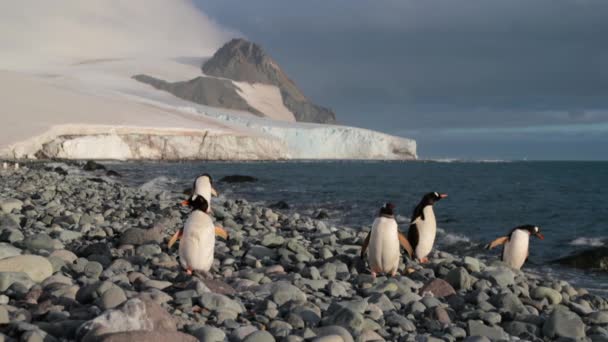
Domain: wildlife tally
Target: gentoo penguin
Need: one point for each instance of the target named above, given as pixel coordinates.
(383, 241)
(423, 226)
(516, 251)
(197, 237)
(202, 186)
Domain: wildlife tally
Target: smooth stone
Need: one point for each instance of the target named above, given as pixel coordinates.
(472, 264)
(599, 317)
(217, 302)
(7, 279)
(259, 336)
(7, 206)
(501, 275)
(477, 328)
(438, 288)
(39, 241)
(4, 317)
(282, 292)
(7, 250)
(508, 302)
(93, 269)
(459, 278)
(112, 298)
(135, 314)
(541, 292)
(36, 267)
(334, 330)
(563, 323)
(209, 334)
(149, 336)
(521, 329)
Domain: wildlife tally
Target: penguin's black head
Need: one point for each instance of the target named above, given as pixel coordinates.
(533, 230)
(432, 198)
(199, 203)
(387, 209)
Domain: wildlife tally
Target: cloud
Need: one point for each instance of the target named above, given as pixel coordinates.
(39, 31)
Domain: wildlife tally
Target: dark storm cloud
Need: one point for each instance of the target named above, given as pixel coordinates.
(394, 65)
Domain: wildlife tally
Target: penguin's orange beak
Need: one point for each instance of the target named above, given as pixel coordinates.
(185, 203)
(540, 236)
(443, 195)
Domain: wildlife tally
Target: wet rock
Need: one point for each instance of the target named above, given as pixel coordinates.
(501, 276)
(281, 205)
(93, 166)
(459, 278)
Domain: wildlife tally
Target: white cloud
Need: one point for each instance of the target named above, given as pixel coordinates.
(41, 31)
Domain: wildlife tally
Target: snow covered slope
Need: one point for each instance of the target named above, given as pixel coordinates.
(61, 102)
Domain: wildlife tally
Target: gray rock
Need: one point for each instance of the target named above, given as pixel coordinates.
(347, 318)
(39, 241)
(563, 323)
(541, 292)
(459, 278)
(7, 250)
(282, 292)
(220, 303)
(7, 206)
(209, 334)
(261, 252)
(521, 329)
(36, 267)
(4, 317)
(477, 328)
(508, 302)
(138, 236)
(382, 301)
(11, 235)
(148, 251)
(336, 289)
(272, 240)
(93, 269)
(149, 336)
(501, 276)
(334, 330)
(112, 298)
(599, 317)
(9, 278)
(438, 287)
(477, 339)
(69, 235)
(472, 264)
(134, 314)
(242, 332)
(259, 336)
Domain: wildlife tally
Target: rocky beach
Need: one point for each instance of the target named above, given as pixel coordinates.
(84, 257)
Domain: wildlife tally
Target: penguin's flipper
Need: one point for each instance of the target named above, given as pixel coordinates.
(178, 234)
(365, 243)
(406, 245)
(219, 231)
(413, 236)
(213, 192)
(500, 241)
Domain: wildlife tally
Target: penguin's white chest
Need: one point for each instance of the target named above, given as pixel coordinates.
(197, 244)
(384, 253)
(516, 249)
(427, 230)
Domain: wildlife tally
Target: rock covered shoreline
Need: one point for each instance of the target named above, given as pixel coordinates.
(84, 257)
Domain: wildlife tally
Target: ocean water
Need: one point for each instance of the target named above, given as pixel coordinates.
(568, 200)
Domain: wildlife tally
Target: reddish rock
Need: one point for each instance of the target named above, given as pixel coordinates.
(148, 336)
(439, 288)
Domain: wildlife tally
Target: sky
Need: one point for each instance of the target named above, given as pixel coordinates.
(477, 79)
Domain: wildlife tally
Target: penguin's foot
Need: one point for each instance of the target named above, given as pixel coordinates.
(189, 271)
(373, 275)
(394, 273)
(424, 260)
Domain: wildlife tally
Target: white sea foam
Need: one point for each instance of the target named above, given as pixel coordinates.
(587, 241)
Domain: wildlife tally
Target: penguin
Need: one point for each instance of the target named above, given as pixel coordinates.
(516, 245)
(383, 241)
(423, 226)
(202, 186)
(197, 244)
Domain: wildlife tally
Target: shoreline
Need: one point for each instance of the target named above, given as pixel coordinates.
(295, 277)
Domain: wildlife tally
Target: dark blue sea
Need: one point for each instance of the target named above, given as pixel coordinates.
(568, 200)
